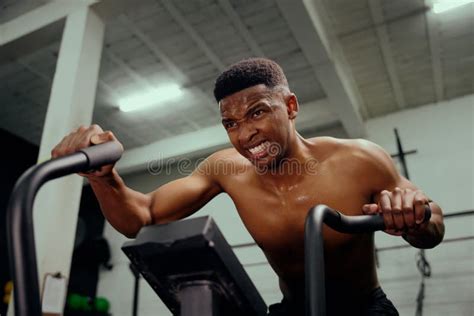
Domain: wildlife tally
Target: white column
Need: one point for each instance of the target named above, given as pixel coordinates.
(71, 104)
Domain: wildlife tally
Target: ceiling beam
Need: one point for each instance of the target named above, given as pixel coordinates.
(384, 43)
(321, 48)
(38, 18)
(206, 140)
(243, 30)
(435, 48)
(179, 18)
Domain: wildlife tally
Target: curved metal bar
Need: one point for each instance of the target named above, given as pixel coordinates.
(314, 248)
(20, 229)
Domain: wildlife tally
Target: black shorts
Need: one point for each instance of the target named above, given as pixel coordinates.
(377, 304)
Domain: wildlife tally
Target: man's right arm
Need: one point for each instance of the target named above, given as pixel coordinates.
(128, 210)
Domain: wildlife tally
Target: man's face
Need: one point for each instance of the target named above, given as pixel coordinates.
(257, 122)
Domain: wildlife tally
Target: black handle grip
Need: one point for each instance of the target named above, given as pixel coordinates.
(360, 223)
(103, 154)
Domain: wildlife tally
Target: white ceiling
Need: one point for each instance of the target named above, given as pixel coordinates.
(400, 55)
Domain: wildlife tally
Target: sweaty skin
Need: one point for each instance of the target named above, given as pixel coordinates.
(273, 189)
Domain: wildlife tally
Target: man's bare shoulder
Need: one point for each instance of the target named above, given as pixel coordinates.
(226, 162)
(359, 147)
(227, 154)
(325, 143)
(366, 150)
(369, 159)
(326, 148)
(324, 140)
(360, 152)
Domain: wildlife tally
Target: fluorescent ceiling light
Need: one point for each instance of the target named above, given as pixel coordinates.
(440, 6)
(150, 98)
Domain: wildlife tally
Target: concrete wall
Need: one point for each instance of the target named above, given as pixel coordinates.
(443, 136)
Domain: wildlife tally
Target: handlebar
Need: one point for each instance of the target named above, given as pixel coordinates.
(20, 229)
(314, 250)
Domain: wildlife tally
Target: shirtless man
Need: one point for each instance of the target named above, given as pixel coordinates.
(273, 196)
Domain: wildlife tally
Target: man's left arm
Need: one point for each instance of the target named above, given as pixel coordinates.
(401, 203)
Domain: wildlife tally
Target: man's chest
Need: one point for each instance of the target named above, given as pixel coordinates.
(275, 213)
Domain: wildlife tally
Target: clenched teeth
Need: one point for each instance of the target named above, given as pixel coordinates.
(260, 148)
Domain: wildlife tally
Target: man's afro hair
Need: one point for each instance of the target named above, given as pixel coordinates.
(248, 73)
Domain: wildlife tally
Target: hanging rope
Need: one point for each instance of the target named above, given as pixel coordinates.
(425, 271)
